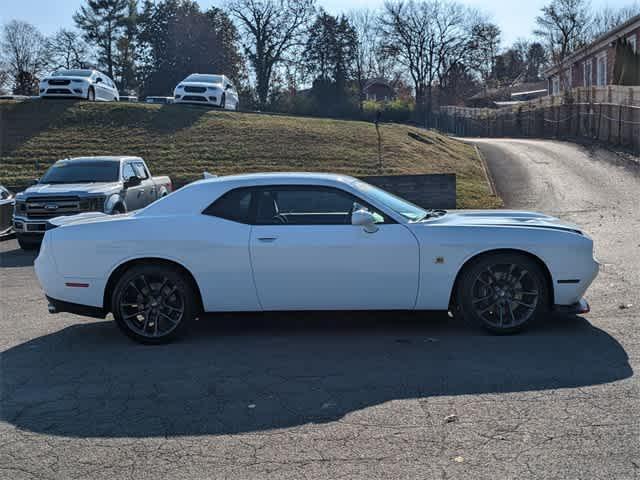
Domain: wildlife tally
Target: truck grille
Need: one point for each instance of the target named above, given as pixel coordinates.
(50, 207)
(195, 89)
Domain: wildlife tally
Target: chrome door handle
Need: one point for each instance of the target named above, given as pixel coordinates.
(267, 239)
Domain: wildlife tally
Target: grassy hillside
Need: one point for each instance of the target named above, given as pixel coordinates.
(183, 141)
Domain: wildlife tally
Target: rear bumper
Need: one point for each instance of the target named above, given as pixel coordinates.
(578, 308)
(60, 306)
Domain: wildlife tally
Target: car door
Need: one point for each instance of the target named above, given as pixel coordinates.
(306, 254)
(100, 87)
(149, 193)
(134, 196)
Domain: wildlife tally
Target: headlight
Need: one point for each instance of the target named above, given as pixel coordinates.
(213, 88)
(76, 80)
(180, 86)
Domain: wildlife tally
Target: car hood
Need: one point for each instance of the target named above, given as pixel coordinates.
(70, 189)
(201, 84)
(502, 218)
(66, 77)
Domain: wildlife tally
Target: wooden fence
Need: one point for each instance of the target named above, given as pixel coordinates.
(610, 115)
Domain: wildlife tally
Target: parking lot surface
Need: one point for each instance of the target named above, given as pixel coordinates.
(345, 395)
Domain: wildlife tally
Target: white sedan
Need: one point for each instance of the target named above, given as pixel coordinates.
(84, 84)
(309, 242)
(205, 89)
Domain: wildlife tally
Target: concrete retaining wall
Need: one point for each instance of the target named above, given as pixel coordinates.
(427, 191)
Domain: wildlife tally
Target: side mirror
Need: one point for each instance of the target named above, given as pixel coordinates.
(132, 182)
(364, 219)
(98, 80)
(35, 181)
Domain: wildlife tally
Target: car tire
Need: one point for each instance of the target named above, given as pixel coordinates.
(91, 95)
(223, 102)
(27, 245)
(503, 293)
(153, 304)
(118, 209)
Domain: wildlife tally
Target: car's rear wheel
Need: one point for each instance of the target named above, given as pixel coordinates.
(504, 293)
(153, 304)
(91, 95)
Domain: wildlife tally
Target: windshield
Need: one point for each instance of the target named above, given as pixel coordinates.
(82, 172)
(204, 78)
(406, 209)
(72, 73)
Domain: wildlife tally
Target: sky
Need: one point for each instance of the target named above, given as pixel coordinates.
(515, 17)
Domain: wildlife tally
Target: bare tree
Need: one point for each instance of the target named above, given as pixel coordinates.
(271, 29)
(23, 51)
(563, 26)
(407, 32)
(485, 38)
(430, 38)
(364, 22)
(607, 18)
(67, 50)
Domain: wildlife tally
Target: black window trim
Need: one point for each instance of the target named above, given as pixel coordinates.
(253, 206)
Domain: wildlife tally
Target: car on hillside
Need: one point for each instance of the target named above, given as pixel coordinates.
(7, 200)
(207, 89)
(309, 242)
(86, 84)
(111, 185)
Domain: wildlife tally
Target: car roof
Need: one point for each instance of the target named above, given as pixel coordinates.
(119, 158)
(274, 178)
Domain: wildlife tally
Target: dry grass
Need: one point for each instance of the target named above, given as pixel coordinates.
(183, 141)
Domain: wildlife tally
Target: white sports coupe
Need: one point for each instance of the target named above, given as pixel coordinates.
(302, 241)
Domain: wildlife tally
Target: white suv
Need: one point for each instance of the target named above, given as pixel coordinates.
(90, 85)
(206, 89)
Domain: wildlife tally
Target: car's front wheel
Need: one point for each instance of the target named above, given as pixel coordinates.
(503, 292)
(153, 304)
(223, 101)
(91, 95)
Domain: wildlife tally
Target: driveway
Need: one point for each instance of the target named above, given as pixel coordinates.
(344, 395)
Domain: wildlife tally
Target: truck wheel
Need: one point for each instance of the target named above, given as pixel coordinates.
(118, 209)
(153, 304)
(27, 244)
(503, 293)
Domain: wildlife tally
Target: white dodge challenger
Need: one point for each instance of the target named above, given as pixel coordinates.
(298, 241)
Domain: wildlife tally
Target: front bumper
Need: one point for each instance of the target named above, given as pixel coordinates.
(206, 98)
(578, 308)
(35, 228)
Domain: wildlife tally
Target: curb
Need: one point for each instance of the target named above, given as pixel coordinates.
(487, 172)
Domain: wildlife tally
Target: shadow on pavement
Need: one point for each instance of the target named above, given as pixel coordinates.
(250, 373)
(17, 258)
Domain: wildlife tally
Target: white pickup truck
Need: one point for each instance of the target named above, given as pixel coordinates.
(110, 185)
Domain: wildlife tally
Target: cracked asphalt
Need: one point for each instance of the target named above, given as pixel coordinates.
(344, 395)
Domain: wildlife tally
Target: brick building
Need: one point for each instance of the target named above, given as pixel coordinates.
(593, 65)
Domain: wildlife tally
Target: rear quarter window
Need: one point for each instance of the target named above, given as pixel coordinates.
(234, 205)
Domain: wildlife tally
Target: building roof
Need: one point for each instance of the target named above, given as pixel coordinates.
(601, 41)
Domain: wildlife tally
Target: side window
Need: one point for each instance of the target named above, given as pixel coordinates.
(234, 205)
(140, 170)
(306, 206)
(128, 171)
